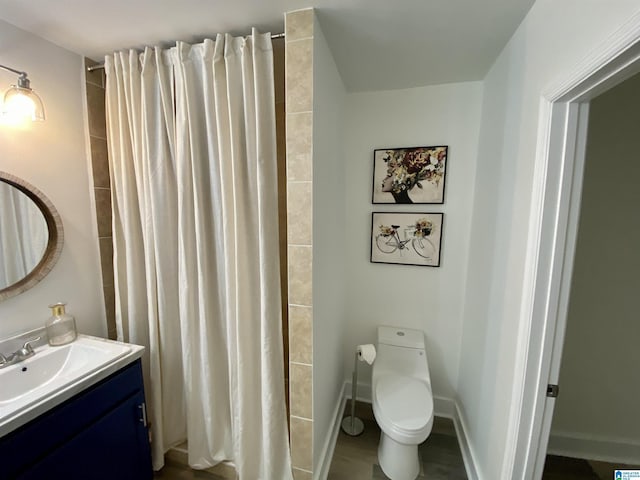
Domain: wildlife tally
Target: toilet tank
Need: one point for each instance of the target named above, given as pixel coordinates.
(401, 351)
(400, 337)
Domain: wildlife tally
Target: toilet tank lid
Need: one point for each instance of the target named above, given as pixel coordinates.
(400, 337)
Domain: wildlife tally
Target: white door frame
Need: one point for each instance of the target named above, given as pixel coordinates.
(551, 244)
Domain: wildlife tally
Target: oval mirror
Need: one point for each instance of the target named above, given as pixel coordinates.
(31, 235)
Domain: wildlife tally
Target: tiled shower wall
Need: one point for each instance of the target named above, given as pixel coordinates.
(101, 185)
(299, 105)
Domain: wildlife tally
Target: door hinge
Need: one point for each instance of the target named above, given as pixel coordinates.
(552, 390)
(143, 413)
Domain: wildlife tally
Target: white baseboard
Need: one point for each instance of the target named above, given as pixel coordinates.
(363, 392)
(591, 447)
(324, 463)
(444, 407)
(467, 452)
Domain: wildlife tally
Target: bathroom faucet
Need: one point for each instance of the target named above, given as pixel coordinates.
(19, 355)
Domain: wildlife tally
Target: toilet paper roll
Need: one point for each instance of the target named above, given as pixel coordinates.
(367, 353)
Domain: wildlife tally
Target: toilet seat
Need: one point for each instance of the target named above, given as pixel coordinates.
(403, 406)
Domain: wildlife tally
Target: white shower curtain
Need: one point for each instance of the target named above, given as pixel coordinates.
(195, 225)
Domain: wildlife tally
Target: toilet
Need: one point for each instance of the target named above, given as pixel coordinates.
(402, 400)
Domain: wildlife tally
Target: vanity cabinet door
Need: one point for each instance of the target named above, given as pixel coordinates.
(115, 447)
(98, 434)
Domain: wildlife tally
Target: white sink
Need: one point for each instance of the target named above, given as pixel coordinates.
(55, 374)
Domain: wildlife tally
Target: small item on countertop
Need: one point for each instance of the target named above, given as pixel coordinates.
(61, 327)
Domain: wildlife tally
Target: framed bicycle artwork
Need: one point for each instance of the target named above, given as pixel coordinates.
(406, 238)
(409, 175)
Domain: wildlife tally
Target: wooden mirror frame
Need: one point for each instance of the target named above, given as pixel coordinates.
(54, 244)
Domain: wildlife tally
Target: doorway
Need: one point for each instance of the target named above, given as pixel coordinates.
(596, 427)
(557, 190)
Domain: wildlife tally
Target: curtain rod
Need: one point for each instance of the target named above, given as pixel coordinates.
(99, 66)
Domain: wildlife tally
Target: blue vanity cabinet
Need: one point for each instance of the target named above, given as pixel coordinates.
(101, 433)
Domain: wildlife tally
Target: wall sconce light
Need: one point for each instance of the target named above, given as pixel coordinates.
(20, 101)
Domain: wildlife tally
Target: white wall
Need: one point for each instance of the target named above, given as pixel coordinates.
(425, 298)
(329, 254)
(549, 43)
(599, 379)
(52, 157)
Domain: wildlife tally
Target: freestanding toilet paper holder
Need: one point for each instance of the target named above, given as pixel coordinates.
(352, 425)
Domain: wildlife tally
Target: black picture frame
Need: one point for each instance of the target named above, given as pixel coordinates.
(409, 175)
(407, 238)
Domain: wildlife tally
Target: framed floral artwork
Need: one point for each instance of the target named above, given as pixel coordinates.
(406, 238)
(409, 175)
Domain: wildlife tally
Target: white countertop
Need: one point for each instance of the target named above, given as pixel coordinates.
(85, 362)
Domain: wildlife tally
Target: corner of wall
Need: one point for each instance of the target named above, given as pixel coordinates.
(99, 178)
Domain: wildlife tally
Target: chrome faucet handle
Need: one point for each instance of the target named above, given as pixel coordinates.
(27, 350)
(27, 344)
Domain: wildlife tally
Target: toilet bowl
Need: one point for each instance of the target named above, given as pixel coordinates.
(402, 400)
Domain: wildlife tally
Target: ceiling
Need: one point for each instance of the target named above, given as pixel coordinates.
(377, 44)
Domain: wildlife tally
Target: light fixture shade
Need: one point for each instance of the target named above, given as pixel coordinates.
(22, 103)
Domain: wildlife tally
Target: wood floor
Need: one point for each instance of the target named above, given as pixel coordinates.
(556, 468)
(566, 468)
(356, 458)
